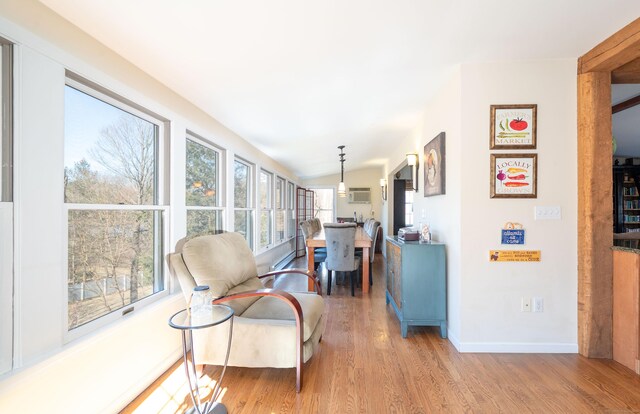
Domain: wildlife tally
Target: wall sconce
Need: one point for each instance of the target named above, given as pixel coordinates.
(383, 188)
(414, 163)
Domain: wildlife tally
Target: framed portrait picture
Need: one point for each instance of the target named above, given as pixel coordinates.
(513, 126)
(514, 175)
(434, 166)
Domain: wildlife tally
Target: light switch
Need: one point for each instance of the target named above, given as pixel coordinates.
(548, 213)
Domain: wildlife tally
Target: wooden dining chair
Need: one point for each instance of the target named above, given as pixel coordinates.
(341, 240)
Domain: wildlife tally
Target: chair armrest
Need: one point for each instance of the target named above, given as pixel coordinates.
(280, 294)
(293, 303)
(311, 275)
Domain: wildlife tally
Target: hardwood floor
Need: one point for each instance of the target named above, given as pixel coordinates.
(364, 366)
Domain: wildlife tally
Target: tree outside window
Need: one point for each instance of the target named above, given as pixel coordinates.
(243, 201)
(266, 208)
(111, 197)
(202, 195)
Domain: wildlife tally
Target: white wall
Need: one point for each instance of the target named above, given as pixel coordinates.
(442, 212)
(492, 292)
(484, 298)
(6, 286)
(106, 369)
(367, 177)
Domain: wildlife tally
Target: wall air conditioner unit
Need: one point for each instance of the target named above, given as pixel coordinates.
(359, 195)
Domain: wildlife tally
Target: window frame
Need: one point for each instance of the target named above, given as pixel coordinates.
(280, 209)
(6, 130)
(6, 209)
(269, 209)
(160, 207)
(220, 181)
(291, 210)
(251, 186)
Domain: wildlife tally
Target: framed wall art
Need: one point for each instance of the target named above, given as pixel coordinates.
(514, 175)
(513, 126)
(434, 166)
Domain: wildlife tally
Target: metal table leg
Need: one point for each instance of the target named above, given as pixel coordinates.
(210, 407)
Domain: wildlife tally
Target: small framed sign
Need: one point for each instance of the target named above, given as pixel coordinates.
(514, 255)
(514, 175)
(513, 126)
(513, 236)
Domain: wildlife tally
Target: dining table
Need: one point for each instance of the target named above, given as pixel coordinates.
(363, 241)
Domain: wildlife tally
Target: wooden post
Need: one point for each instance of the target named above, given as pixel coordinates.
(595, 221)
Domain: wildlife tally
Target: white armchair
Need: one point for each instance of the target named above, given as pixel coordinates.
(272, 328)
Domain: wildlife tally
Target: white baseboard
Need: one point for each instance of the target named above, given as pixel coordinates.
(453, 338)
(512, 347)
(516, 347)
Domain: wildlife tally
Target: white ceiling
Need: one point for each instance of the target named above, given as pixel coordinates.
(297, 78)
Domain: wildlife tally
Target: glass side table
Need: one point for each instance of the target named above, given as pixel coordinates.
(187, 323)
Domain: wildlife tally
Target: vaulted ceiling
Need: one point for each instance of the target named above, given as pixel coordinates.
(297, 78)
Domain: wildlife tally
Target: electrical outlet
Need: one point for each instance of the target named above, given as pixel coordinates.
(525, 305)
(538, 304)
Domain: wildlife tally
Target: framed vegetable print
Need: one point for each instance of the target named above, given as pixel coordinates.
(513, 126)
(514, 175)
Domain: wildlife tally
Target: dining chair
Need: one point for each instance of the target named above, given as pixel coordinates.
(341, 240)
(375, 226)
(319, 254)
(371, 228)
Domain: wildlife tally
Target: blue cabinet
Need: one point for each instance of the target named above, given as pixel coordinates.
(417, 284)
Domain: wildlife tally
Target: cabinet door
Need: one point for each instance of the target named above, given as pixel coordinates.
(390, 258)
(395, 277)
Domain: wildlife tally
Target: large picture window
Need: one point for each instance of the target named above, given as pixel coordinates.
(324, 202)
(112, 193)
(266, 208)
(203, 188)
(243, 210)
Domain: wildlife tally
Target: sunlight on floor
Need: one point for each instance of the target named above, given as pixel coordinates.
(171, 395)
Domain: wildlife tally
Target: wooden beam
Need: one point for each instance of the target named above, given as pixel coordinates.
(595, 221)
(619, 49)
(629, 103)
(629, 73)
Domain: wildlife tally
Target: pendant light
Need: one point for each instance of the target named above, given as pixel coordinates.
(342, 192)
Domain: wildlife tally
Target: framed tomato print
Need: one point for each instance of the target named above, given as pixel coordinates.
(513, 126)
(514, 175)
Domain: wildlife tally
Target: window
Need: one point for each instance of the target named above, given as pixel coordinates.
(408, 207)
(281, 207)
(6, 130)
(6, 208)
(266, 208)
(291, 206)
(113, 189)
(203, 188)
(243, 211)
(323, 204)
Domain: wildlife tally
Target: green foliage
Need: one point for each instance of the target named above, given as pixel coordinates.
(201, 180)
